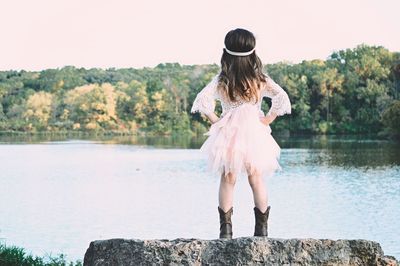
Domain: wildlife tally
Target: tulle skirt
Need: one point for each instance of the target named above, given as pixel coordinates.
(240, 143)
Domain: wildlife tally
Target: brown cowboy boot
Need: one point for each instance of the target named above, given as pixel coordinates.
(261, 227)
(225, 229)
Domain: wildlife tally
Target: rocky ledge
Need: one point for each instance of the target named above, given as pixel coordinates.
(236, 251)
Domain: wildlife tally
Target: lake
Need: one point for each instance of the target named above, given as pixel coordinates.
(58, 194)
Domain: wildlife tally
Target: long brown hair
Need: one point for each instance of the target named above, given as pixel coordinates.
(241, 75)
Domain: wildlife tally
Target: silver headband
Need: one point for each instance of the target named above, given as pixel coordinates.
(239, 53)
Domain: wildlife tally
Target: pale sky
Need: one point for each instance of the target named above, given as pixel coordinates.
(41, 34)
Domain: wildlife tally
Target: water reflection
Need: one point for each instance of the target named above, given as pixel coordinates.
(344, 151)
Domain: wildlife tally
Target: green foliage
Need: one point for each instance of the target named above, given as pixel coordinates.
(391, 117)
(91, 107)
(347, 93)
(17, 256)
(38, 109)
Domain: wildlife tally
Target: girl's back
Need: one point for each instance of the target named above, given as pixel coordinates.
(205, 100)
(240, 140)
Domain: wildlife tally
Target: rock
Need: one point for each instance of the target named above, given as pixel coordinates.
(236, 251)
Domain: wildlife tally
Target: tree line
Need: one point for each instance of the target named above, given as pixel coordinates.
(353, 91)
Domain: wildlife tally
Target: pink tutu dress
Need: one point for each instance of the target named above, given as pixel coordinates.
(239, 142)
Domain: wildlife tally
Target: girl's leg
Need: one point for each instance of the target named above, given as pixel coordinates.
(260, 195)
(226, 188)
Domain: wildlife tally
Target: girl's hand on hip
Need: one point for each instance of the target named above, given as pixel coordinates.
(213, 118)
(268, 119)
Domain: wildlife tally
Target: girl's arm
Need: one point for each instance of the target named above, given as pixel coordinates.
(212, 117)
(280, 101)
(268, 119)
(205, 100)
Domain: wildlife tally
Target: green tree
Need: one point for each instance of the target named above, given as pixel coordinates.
(92, 107)
(38, 109)
(391, 118)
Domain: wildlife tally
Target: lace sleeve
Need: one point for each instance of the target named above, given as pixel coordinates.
(280, 100)
(205, 99)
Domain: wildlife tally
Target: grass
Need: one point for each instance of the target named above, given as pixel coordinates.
(17, 256)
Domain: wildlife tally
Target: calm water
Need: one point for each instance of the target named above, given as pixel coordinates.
(57, 195)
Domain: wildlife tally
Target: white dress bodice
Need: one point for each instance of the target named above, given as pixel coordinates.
(205, 99)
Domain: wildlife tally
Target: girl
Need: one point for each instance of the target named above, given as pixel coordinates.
(240, 139)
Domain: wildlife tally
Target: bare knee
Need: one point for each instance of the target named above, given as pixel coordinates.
(228, 178)
(255, 180)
